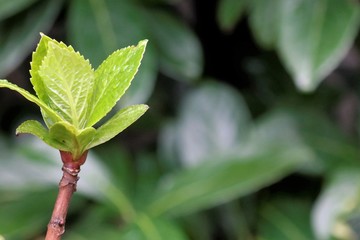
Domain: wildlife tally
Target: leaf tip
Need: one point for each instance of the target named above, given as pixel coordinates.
(143, 42)
(146, 107)
(19, 131)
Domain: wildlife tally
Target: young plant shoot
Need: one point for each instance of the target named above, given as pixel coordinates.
(73, 97)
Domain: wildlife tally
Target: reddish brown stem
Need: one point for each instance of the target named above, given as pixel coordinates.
(67, 187)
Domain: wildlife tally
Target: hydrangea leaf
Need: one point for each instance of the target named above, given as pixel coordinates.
(112, 79)
(33, 127)
(51, 114)
(64, 135)
(36, 128)
(68, 81)
(37, 82)
(120, 121)
(85, 138)
(37, 59)
(72, 96)
(69, 139)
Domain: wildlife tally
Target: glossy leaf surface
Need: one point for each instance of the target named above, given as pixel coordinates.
(33, 127)
(118, 123)
(112, 79)
(68, 82)
(73, 97)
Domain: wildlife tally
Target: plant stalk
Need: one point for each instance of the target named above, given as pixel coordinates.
(67, 186)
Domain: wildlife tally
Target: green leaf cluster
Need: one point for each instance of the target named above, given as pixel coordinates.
(73, 97)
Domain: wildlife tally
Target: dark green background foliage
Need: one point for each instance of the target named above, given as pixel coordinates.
(252, 132)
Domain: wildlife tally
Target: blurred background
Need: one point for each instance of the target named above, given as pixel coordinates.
(252, 132)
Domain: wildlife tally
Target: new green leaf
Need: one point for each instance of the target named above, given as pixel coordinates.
(67, 138)
(68, 83)
(118, 123)
(33, 127)
(73, 97)
(37, 59)
(112, 79)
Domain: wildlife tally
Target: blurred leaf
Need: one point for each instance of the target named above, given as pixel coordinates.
(147, 228)
(34, 165)
(236, 217)
(101, 231)
(179, 49)
(29, 213)
(119, 23)
(216, 182)
(331, 147)
(147, 176)
(315, 36)
(311, 37)
(213, 121)
(99, 215)
(264, 20)
(234, 159)
(275, 125)
(9, 8)
(285, 218)
(229, 13)
(118, 162)
(115, 24)
(19, 35)
(198, 226)
(338, 199)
